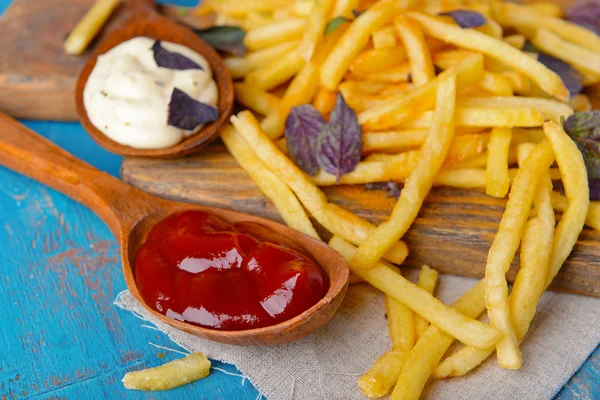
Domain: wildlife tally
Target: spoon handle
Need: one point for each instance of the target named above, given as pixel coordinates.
(26, 152)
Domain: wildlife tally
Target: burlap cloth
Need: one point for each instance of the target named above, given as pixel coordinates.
(326, 364)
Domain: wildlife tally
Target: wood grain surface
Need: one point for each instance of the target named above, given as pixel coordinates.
(452, 233)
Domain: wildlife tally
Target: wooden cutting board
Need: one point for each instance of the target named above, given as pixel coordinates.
(37, 78)
(452, 233)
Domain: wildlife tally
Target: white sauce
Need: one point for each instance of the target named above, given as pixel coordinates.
(127, 95)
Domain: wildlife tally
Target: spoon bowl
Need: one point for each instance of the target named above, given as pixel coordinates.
(130, 214)
(141, 19)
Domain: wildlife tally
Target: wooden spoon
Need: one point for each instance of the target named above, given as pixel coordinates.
(130, 213)
(141, 19)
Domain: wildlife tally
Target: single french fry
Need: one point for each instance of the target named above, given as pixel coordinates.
(276, 33)
(345, 8)
(497, 181)
(395, 167)
(546, 8)
(324, 101)
(449, 320)
(396, 141)
(491, 28)
(517, 41)
(401, 323)
(365, 87)
(574, 176)
(421, 66)
(560, 203)
(404, 107)
(550, 109)
(170, 375)
(238, 67)
(580, 102)
(578, 56)
(428, 278)
(420, 180)
(494, 48)
(422, 360)
(88, 27)
(382, 376)
(272, 187)
(484, 117)
(255, 99)
(315, 27)
(278, 72)
(528, 21)
(333, 218)
(240, 8)
(504, 247)
(353, 40)
(384, 38)
(373, 60)
(496, 84)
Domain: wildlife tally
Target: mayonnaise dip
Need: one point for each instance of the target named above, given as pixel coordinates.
(127, 94)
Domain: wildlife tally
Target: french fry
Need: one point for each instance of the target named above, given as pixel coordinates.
(403, 107)
(88, 27)
(382, 376)
(315, 28)
(344, 8)
(420, 180)
(238, 67)
(364, 87)
(550, 109)
(255, 99)
(272, 187)
(578, 56)
(170, 375)
(503, 250)
(517, 41)
(353, 40)
(395, 167)
(324, 100)
(360, 102)
(466, 146)
(428, 278)
(496, 49)
(491, 28)
(396, 88)
(528, 21)
(394, 141)
(384, 38)
(551, 9)
(484, 117)
(560, 203)
(255, 20)
(278, 72)
(333, 218)
(422, 360)
(496, 84)
(275, 33)
(580, 102)
(240, 8)
(463, 328)
(421, 66)
(373, 60)
(497, 181)
(574, 175)
(521, 84)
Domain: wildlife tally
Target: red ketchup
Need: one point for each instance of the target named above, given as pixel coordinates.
(195, 267)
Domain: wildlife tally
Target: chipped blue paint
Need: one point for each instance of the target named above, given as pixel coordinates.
(60, 335)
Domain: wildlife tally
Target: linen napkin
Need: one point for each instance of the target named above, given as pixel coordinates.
(326, 364)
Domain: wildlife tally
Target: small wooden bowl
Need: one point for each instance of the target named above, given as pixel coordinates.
(142, 20)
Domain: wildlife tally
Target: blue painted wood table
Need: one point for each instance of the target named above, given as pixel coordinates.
(60, 334)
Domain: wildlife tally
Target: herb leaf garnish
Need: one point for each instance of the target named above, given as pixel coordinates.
(302, 129)
(390, 187)
(168, 59)
(229, 38)
(572, 79)
(466, 18)
(187, 113)
(585, 13)
(340, 141)
(335, 23)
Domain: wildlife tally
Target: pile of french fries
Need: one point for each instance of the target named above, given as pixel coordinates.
(438, 105)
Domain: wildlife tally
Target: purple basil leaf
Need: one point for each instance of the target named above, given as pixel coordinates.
(340, 141)
(187, 113)
(466, 18)
(168, 59)
(390, 187)
(594, 185)
(229, 38)
(585, 13)
(584, 129)
(302, 129)
(570, 76)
